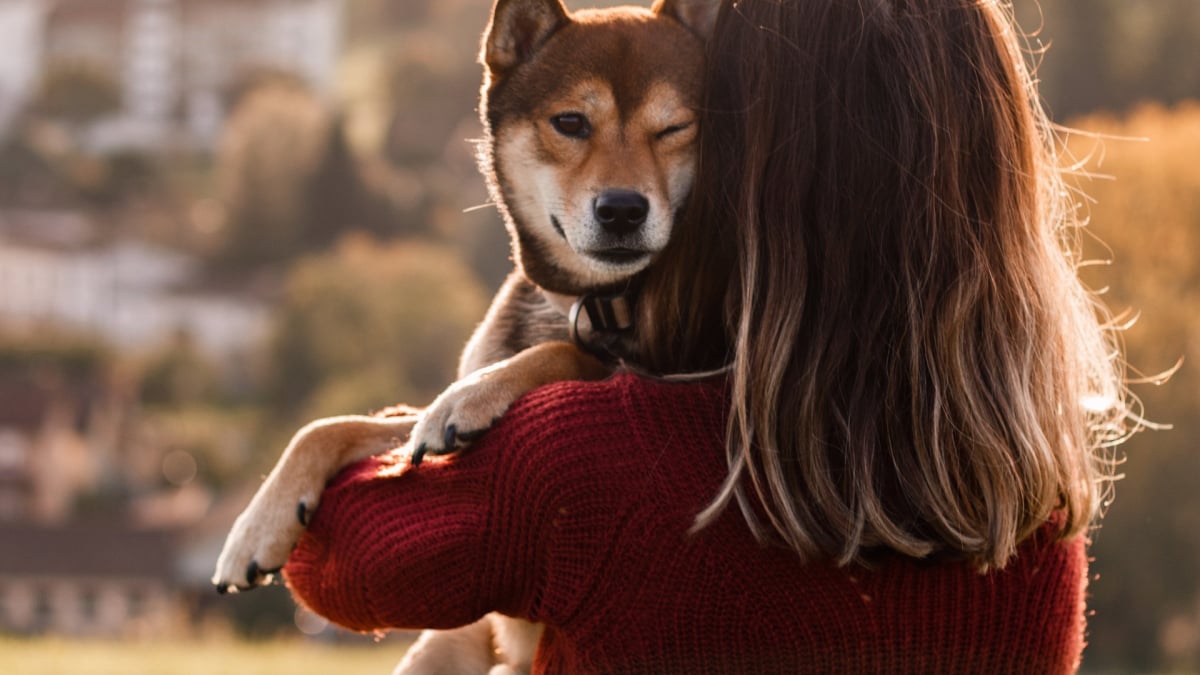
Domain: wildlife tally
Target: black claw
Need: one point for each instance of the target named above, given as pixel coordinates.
(418, 455)
(450, 440)
(253, 573)
(471, 436)
(302, 514)
(222, 588)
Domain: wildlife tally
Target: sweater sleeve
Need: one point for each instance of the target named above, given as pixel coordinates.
(512, 524)
(396, 547)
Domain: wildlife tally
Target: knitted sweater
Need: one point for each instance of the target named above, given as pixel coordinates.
(573, 511)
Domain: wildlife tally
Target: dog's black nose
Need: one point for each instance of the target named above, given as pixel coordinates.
(621, 211)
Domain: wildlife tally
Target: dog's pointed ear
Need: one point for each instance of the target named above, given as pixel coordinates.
(517, 29)
(698, 15)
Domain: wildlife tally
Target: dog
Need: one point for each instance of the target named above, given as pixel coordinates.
(589, 152)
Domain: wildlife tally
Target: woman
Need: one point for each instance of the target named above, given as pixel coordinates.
(911, 424)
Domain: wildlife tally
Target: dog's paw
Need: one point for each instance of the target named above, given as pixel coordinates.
(260, 543)
(461, 414)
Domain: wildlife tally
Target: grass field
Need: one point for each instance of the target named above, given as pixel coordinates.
(69, 657)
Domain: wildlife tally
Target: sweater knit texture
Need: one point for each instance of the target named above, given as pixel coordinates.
(574, 511)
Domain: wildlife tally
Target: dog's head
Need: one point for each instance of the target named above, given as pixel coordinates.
(591, 132)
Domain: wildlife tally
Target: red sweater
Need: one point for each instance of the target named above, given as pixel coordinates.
(573, 512)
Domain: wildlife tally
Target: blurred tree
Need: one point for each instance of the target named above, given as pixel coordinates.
(179, 375)
(410, 98)
(344, 193)
(53, 357)
(337, 196)
(370, 325)
(28, 178)
(269, 149)
(367, 19)
(1147, 221)
(130, 174)
(290, 183)
(1112, 54)
(76, 93)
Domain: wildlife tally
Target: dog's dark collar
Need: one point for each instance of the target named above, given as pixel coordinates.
(606, 315)
(600, 323)
(610, 320)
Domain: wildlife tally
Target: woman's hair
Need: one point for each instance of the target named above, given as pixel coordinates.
(881, 244)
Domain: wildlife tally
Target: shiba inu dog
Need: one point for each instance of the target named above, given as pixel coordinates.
(589, 153)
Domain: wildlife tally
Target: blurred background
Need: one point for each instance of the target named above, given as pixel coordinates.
(222, 218)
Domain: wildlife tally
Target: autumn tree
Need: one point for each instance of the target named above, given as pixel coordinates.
(1112, 54)
(76, 93)
(369, 325)
(270, 147)
(1143, 207)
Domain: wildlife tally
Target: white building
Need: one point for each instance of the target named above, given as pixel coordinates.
(130, 293)
(176, 62)
(21, 33)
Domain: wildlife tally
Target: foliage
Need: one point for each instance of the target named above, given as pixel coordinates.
(1147, 217)
(1112, 54)
(77, 93)
(290, 183)
(53, 355)
(370, 325)
(410, 88)
(269, 149)
(27, 177)
(42, 167)
(220, 439)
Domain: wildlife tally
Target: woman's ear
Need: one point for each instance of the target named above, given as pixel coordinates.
(698, 15)
(517, 29)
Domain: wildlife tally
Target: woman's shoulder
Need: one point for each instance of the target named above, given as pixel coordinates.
(624, 396)
(625, 411)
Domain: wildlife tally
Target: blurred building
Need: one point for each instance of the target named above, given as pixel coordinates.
(177, 64)
(92, 542)
(89, 579)
(60, 574)
(21, 34)
(55, 438)
(55, 273)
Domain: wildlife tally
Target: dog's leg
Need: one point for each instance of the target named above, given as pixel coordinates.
(264, 534)
(496, 645)
(451, 652)
(470, 406)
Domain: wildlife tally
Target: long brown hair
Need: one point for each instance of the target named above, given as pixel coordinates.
(886, 255)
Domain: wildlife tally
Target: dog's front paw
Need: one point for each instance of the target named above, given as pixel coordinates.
(462, 413)
(259, 544)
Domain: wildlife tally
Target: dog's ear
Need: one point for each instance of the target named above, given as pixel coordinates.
(698, 15)
(517, 29)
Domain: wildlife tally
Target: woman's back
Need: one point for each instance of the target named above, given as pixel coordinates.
(574, 511)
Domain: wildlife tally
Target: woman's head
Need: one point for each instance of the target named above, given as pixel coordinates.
(912, 350)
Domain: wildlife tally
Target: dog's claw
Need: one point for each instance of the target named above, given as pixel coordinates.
(472, 436)
(453, 440)
(418, 455)
(222, 589)
(302, 513)
(253, 573)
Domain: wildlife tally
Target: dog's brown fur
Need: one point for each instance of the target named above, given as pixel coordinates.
(633, 76)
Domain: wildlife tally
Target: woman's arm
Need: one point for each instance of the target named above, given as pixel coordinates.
(394, 547)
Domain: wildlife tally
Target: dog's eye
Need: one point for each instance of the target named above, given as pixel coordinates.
(671, 130)
(574, 125)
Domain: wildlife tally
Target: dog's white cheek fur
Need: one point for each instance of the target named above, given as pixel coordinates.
(535, 194)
